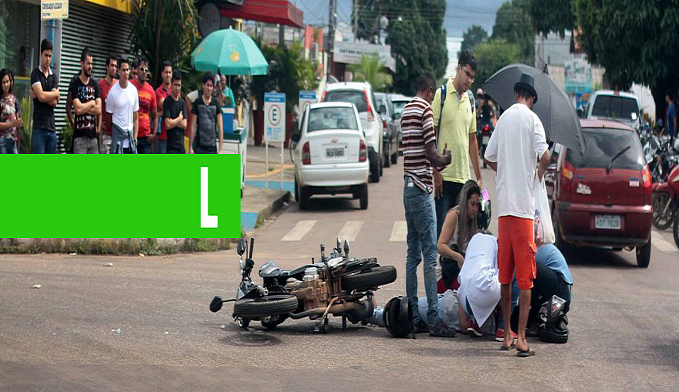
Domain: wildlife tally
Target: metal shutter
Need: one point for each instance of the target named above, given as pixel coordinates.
(105, 31)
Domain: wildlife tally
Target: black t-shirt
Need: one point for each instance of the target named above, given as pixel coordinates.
(175, 136)
(86, 124)
(206, 121)
(43, 112)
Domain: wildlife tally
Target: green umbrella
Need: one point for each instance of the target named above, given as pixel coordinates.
(230, 51)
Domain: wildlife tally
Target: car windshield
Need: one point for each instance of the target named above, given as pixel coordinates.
(351, 96)
(398, 107)
(615, 107)
(321, 119)
(603, 144)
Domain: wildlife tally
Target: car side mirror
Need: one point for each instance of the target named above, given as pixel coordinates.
(580, 113)
(240, 248)
(634, 116)
(383, 109)
(295, 137)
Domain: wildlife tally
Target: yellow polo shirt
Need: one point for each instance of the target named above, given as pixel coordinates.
(457, 123)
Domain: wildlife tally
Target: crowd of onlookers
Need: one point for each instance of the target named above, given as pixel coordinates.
(118, 114)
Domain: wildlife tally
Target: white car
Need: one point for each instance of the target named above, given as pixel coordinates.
(361, 95)
(616, 106)
(330, 154)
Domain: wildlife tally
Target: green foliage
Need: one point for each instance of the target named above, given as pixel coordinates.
(7, 38)
(513, 24)
(289, 72)
(67, 138)
(491, 56)
(371, 70)
(472, 37)
(26, 146)
(113, 246)
(164, 30)
(554, 16)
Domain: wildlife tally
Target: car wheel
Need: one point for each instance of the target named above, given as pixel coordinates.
(644, 255)
(387, 151)
(303, 198)
(394, 157)
(676, 229)
(363, 196)
(659, 201)
(296, 190)
(381, 166)
(374, 172)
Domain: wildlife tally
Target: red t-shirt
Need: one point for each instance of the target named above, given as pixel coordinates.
(147, 101)
(162, 92)
(104, 88)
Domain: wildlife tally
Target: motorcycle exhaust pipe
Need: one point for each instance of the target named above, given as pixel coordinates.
(347, 307)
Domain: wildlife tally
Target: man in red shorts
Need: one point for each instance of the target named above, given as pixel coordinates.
(513, 150)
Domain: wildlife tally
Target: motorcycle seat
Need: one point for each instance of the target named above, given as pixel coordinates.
(270, 270)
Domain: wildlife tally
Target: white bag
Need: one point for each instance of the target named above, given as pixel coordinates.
(542, 208)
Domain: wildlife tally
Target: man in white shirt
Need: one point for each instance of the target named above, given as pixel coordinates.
(513, 150)
(122, 107)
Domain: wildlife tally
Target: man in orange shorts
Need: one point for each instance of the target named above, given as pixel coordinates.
(516, 145)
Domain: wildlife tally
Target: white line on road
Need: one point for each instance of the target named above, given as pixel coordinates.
(662, 244)
(299, 231)
(399, 232)
(350, 230)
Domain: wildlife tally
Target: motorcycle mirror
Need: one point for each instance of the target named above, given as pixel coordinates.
(338, 244)
(241, 247)
(216, 304)
(346, 248)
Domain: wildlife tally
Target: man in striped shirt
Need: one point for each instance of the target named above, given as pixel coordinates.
(419, 152)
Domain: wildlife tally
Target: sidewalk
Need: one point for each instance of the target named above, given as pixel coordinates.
(258, 203)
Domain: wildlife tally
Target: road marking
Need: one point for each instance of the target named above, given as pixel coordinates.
(299, 231)
(662, 245)
(350, 230)
(399, 232)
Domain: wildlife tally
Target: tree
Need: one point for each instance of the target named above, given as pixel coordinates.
(555, 16)
(636, 42)
(371, 70)
(491, 56)
(513, 24)
(164, 30)
(472, 37)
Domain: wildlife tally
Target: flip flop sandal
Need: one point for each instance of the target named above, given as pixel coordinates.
(525, 353)
(505, 348)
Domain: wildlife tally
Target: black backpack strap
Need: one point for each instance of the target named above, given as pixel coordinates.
(443, 100)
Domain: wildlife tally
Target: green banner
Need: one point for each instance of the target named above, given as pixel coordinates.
(120, 196)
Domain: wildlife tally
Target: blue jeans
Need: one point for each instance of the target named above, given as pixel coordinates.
(161, 146)
(7, 146)
(143, 145)
(44, 141)
(421, 222)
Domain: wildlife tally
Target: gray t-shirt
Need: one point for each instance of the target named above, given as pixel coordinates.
(206, 121)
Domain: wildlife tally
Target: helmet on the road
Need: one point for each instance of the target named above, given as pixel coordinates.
(552, 321)
(398, 317)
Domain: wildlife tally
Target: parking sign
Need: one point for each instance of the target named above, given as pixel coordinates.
(274, 117)
(306, 98)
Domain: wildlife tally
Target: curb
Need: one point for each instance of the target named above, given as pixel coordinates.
(250, 220)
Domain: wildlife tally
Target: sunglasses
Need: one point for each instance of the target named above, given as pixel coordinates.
(143, 69)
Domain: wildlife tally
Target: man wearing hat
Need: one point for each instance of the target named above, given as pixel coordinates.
(517, 143)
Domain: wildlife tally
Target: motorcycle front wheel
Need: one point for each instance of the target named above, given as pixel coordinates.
(659, 201)
(374, 278)
(269, 305)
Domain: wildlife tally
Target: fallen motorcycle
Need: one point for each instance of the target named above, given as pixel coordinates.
(336, 285)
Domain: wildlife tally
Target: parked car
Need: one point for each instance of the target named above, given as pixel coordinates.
(616, 106)
(390, 133)
(361, 95)
(330, 153)
(603, 198)
(399, 101)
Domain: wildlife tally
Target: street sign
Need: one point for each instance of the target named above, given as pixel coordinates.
(53, 9)
(306, 98)
(274, 117)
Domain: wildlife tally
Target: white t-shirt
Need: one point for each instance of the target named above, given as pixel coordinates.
(122, 103)
(479, 282)
(517, 144)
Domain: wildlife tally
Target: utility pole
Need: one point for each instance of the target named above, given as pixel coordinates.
(355, 20)
(331, 36)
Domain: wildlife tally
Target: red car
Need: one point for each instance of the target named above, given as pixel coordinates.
(603, 198)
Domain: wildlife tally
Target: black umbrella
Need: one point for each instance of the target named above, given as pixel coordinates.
(554, 107)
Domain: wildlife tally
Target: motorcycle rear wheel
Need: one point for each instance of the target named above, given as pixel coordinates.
(377, 276)
(269, 305)
(659, 201)
(676, 231)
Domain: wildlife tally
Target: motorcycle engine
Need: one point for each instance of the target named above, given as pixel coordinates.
(312, 290)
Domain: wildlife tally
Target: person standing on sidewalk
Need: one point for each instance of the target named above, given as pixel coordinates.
(174, 117)
(162, 92)
(105, 84)
(148, 115)
(206, 121)
(45, 92)
(517, 143)
(455, 120)
(84, 91)
(10, 115)
(122, 108)
(419, 153)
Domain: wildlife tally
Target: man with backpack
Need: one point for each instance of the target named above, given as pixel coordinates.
(455, 121)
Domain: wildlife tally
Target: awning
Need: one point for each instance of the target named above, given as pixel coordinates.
(268, 11)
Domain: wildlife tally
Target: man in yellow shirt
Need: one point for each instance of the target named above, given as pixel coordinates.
(456, 131)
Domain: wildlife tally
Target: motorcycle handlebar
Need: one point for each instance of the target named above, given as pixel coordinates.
(252, 245)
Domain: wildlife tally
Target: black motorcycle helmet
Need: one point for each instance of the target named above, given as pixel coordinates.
(552, 321)
(483, 215)
(398, 317)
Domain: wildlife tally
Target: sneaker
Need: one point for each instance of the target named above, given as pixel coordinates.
(500, 335)
(441, 330)
(421, 327)
(474, 330)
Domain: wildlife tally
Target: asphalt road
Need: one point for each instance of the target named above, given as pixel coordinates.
(144, 325)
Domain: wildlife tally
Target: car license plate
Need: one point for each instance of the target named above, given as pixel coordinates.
(334, 152)
(486, 139)
(607, 222)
